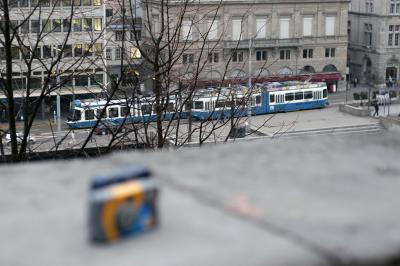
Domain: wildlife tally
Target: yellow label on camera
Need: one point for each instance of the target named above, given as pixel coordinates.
(120, 193)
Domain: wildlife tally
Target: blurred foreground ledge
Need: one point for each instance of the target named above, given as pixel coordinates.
(304, 201)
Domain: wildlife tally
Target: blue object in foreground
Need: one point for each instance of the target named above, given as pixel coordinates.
(122, 204)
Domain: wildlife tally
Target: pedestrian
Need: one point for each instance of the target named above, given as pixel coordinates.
(376, 105)
(390, 81)
(355, 81)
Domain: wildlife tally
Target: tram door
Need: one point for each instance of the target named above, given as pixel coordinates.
(280, 99)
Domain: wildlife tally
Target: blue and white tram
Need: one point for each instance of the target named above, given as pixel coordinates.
(84, 114)
(219, 103)
(263, 99)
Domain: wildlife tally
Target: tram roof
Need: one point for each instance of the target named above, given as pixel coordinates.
(289, 85)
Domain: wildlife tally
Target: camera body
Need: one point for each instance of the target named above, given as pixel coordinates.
(122, 204)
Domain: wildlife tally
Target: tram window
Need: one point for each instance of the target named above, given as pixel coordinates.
(289, 97)
(230, 103)
(77, 115)
(207, 106)
(298, 96)
(325, 92)
(124, 111)
(98, 113)
(113, 112)
(258, 99)
(170, 107)
(89, 114)
(220, 104)
(198, 105)
(271, 98)
(146, 109)
(308, 95)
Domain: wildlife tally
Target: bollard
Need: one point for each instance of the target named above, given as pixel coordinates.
(122, 204)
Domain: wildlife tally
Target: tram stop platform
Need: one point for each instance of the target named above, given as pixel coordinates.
(303, 201)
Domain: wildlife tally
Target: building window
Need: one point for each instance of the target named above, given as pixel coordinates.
(368, 34)
(284, 28)
(349, 30)
(236, 29)
(369, 6)
(46, 51)
(261, 55)
(57, 25)
(237, 56)
(81, 81)
(213, 58)
(118, 53)
(394, 31)
(77, 25)
(87, 24)
(135, 53)
(67, 50)
(109, 53)
(330, 26)
(78, 50)
(97, 24)
(66, 25)
(46, 25)
(187, 30)
(136, 35)
(308, 53)
(35, 26)
(119, 35)
(24, 26)
(330, 52)
(261, 28)
(284, 54)
(394, 7)
(187, 59)
(97, 2)
(212, 27)
(307, 26)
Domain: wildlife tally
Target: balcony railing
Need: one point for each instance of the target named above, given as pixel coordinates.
(262, 43)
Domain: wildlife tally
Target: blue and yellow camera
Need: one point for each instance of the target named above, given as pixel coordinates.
(122, 204)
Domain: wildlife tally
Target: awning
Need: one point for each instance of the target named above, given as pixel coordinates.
(64, 91)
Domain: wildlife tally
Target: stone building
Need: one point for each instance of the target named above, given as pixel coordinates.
(265, 38)
(374, 45)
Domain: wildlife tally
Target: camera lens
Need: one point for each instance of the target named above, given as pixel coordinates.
(126, 216)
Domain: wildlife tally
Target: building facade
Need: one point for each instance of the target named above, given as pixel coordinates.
(265, 38)
(374, 45)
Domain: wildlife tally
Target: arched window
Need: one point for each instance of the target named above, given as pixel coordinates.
(238, 73)
(213, 75)
(329, 68)
(307, 69)
(285, 71)
(262, 72)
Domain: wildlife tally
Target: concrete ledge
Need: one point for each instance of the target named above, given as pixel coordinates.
(357, 111)
(390, 123)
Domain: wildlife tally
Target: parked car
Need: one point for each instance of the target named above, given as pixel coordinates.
(107, 127)
(20, 137)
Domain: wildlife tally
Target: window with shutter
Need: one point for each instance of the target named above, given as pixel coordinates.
(330, 26)
(261, 27)
(236, 29)
(284, 28)
(212, 27)
(307, 26)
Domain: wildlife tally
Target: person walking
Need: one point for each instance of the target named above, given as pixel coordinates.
(390, 82)
(376, 105)
(355, 81)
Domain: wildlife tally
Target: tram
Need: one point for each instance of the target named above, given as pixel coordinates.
(212, 103)
(85, 113)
